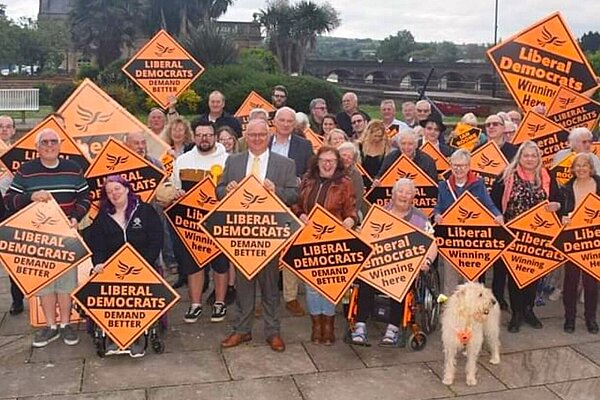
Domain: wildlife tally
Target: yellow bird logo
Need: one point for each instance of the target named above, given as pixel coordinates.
(487, 162)
(205, 199)
(591, 215)
(549, 38)
(539, 222)
(125, 270)
(162, 50)
(251, 199)
(43, 219)
(380, 228)
(322, 230)
(466, 214)
(89, 118)
(565, 101)
(535, 128)
(115, 160)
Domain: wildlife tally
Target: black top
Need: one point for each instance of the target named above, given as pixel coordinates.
(422, 160)
(568, 195)
(225, 120)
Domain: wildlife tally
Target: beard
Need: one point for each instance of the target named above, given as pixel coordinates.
(206, 146)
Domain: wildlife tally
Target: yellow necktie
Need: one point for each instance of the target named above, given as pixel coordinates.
(256, 167)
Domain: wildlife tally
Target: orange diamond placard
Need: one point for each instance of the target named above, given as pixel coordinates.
(465, 136)
(315, 140)
(92, 117)
(185, 215)
(399, 250)
(127, 297)
(570, 110)
(117, 159)
(531, 256)
(550, 137)
(596, 149)
(326, 255)
(252, 101)
(469, 238)
(488, 162)
(251, 225)
(37, 246)
(536, 61)
(561, 171)
(404, 167)
(579, 241)
(441, 162)
(163, 68)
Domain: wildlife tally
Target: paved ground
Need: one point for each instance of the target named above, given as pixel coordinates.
(546, 364)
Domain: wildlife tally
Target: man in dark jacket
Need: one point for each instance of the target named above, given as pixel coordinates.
(217, 115)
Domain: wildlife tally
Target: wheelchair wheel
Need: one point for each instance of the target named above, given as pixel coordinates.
(430, 313)
(158, 346)
(417, 341)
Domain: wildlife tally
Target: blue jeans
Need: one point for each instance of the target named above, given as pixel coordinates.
(318, 304)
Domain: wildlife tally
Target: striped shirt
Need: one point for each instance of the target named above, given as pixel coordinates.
(65, 182)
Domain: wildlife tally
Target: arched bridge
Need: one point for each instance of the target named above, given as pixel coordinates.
(405, 75)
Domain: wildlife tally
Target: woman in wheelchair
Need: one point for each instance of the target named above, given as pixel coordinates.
(401, 205)
(122, 218)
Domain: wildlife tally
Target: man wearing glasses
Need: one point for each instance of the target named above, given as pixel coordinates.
(359, 123)
(494, 129)
(279, 96)
(318, 109)
(205, 159)
(42, 179)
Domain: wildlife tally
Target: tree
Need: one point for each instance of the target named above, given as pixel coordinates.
(292, 30)
(102, 27)
(590, 42)
(209, 46)
(396, 48)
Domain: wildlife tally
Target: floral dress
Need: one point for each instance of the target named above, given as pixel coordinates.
(524, 196)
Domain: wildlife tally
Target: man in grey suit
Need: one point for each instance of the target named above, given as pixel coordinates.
(278, 174)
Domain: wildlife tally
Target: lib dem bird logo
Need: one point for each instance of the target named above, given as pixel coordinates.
(549, 38)
(403, 174)
(89, 118)
(487, 162)
(466, 214)
(125, 270)
(205, 199)
(252, 198)
(539, 222)
(379, 229)
(322, 230)
(115, 160)
(565, 101)
(43, 219)
(534, 128)
(591, 214)
(162, 50)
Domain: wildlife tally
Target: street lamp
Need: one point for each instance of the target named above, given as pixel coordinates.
(495, 42)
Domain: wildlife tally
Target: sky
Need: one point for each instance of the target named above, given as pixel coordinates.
(458, 21)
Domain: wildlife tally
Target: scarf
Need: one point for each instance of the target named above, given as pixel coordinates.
(526, 176)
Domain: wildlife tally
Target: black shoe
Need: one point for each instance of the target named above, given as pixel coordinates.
(530, 318)
(230, 295)
(16, 308)
(503, 305)
(181, 281)
(211, 298)
(569, 326)
(592, 326)
(514, 324)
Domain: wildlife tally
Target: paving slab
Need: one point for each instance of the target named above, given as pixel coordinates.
(120, 395)
(411, 382)
(338, 357)
(539, 367)
(4, 340)
(5, 301)
(40, 379)
(586, 389)
(57, 351)
(4, 285)
(534, 393)
(259, 361)
(15, 351)
(15, 324)
(486, 382)
(194, 337)
(124, 372)
(590, 350)
(255, 389)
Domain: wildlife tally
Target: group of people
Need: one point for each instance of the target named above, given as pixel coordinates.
(215, 145)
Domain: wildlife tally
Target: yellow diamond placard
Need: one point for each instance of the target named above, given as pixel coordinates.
(163, 68)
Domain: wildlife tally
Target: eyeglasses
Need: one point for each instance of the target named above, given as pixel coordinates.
(49, 142)
(279, 96)
(422, 110)
(204, 135)
(493, 123)
(320, 108)
(257, 135)
(6, 126)
(358, 121)
(327, 161)
(460, 166)
(586, 141)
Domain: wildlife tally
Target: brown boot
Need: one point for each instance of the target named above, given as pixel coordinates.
(328, 330)
(317, 328)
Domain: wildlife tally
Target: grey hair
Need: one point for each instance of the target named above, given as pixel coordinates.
(258, 113)
(39, 135)
(288, 109)
(461, 154)
(408, 133)
(349, 146)
(315, 102)
(404, 182)
(579, 133)
(423, 102)
(302, 118)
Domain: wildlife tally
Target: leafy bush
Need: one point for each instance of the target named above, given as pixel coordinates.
(124, 96)
(88, 71)
(60, 93)
(45, 94)
(260, 60)
(187, 103)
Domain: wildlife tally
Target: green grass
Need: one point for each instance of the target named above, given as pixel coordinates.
(40, 114)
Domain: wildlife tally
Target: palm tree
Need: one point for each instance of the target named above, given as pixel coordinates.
(102, 27)
(292, 30)
(209, 46)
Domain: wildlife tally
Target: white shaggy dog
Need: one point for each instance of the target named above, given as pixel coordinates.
(470, 314)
